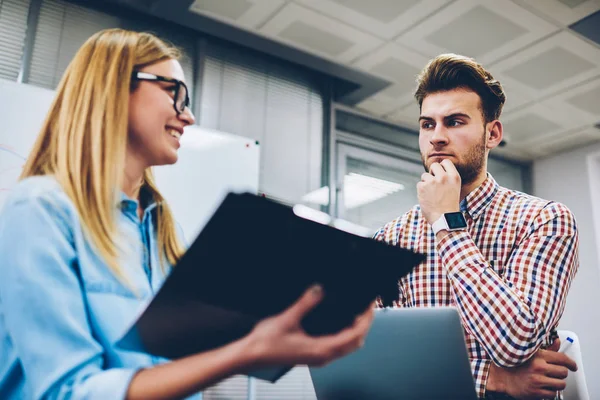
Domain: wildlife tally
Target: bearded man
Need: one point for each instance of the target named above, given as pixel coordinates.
(503, 258)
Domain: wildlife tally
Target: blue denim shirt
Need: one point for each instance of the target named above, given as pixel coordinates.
(61, 308)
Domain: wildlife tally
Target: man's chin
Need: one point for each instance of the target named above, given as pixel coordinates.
(438, 160)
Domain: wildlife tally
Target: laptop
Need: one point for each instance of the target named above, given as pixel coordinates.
(415, 353)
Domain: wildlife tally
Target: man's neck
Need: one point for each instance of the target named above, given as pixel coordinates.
(468, 188)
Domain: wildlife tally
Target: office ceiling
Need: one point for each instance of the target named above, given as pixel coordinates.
(546, 53)
(550, 72)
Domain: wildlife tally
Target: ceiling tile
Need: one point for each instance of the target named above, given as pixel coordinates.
(588, 101)
(398, 91)
(493, 30)
(555, 64)
(572, 3)
(384, 11)
(514, 153)
(564, 11)
(246, 13)
(397, 64)
(551, 67)
(407, 116)
(312, 37)
(304, 28)
(515, 97)
(529, 125)
(569, 140)
(232, 9)
(506, 26)
(396, 70)
(581, 102)
(532, 123)
(383, 18)
(378, 105)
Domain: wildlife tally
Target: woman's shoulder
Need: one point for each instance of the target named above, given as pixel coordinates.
(42, 190)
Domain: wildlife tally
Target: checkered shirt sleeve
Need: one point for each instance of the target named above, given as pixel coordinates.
(511, 317)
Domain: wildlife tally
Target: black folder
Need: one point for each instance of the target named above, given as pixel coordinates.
(253, 259)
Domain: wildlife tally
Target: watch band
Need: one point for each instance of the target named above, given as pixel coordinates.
(453, 221)
(439, 225)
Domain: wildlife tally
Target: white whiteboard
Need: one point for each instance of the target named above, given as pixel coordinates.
(211, 163)
(22, 112)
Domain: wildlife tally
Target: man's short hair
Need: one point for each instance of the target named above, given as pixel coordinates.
(452, 71)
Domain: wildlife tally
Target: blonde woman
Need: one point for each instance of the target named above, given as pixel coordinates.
(72, 280)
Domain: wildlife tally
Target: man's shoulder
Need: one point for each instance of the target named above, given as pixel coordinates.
(532, 206)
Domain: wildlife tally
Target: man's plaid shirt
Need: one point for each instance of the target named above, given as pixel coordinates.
(508, 274)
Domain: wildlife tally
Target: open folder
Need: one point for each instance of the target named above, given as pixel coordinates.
(253, 259)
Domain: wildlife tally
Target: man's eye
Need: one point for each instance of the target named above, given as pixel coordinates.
(455, 122)
(426, 125)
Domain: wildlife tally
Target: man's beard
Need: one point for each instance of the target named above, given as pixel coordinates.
(471, 165)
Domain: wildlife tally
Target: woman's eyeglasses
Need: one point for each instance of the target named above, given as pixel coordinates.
(181, 98)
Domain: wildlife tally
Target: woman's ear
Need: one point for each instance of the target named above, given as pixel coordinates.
(494, 133)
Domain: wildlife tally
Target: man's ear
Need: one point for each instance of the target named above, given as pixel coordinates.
(494, 133)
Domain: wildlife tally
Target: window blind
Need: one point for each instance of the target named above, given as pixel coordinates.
(295, 385)
(279, 105)
(235, 388)
(13, 28)
(62, 29)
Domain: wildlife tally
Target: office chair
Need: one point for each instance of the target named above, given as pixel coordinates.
(576, 386)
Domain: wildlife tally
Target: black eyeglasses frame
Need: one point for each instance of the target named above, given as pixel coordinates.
(146, 76)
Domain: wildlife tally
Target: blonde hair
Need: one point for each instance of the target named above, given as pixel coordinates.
(83, 140)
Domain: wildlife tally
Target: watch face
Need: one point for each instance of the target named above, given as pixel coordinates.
(455, 220)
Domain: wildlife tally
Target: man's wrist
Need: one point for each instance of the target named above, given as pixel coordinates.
(434, 217)
(495, 381)
(441, 234)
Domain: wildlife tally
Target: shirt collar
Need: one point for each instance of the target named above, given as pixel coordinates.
(128, 204)
(478, 200)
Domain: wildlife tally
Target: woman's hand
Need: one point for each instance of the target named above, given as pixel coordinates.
(280, 340)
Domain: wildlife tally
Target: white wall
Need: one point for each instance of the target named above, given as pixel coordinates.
(565, 178)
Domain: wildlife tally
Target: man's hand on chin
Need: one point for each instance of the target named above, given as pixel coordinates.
(439, 190)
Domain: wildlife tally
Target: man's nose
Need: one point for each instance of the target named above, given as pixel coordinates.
(440, 136)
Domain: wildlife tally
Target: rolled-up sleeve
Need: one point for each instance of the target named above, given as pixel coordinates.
(43, 305)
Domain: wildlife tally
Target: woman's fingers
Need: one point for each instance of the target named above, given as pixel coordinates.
(308, 301)
(329, 347)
